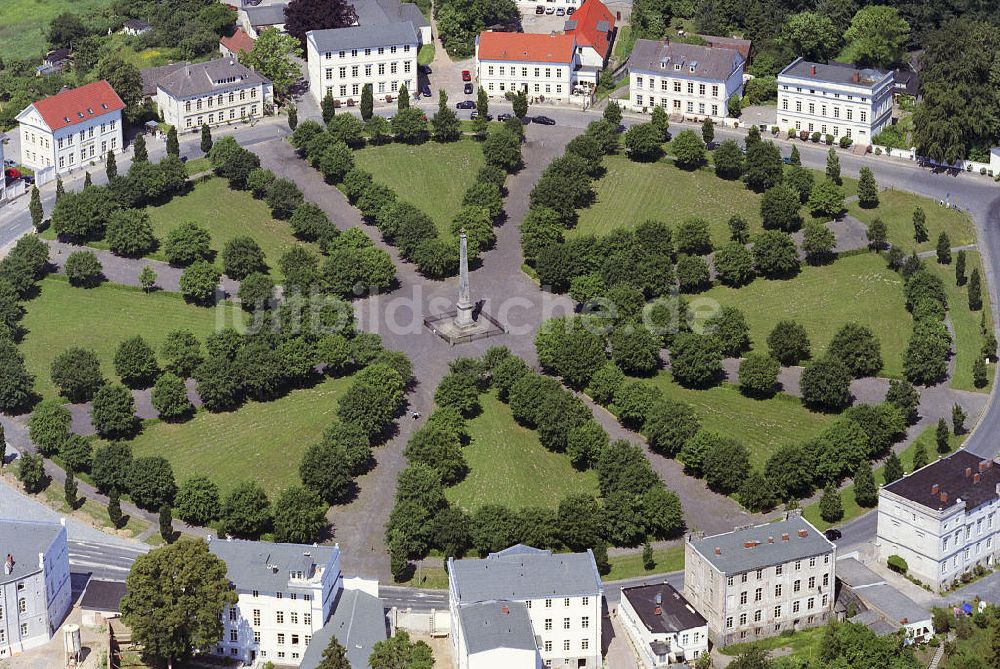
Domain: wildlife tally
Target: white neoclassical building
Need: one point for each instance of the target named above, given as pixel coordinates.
(662, 626)
(72, 128)
(523, 608)
(690, 80)
(943, 518)
(214, 92)
(543, 66)
(34, 584)
(834, 99)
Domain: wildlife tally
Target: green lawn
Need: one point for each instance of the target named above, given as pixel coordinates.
(426, 55)
(896, 211)
(804, 644)
(197, 166)
(968, 335)
(262, 440)
(100, 319)
(624, 41)
(762, 425)
(508, 465)
(431, 176)
(630, 566)
(851, 508)
(854, 288)
(23, 23)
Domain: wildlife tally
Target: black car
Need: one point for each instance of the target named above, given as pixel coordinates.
(539, 9)
(543, 120)
(466, 104)
(469, 89)
(504, 117)
(475, 115)
(833, 534)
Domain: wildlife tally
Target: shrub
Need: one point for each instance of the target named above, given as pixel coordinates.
(77, 374)
(897, 564)
(199, 282)
(84, 269)
(187, 243)
(758, 375)
(130, 234)
(135, 363)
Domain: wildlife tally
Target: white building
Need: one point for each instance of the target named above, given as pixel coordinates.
(593, 26)
(255, 19)
(214, 92)
(663, 627)
(72, 128)
(358, 623)
(523, 607)
(942, 518)
(343, 60)
(286, 592)
(757, 582)
(834, 99)
(689, 80)
(34, 585)
(541, 65)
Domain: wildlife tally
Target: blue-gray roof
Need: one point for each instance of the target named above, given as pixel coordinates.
(490, 625)
(266, 15)
(772, 543)
(361, 37)
(267, 567)
(521, 576)
(358, 622)
(24, 540)
(372, 12)
(876, 594)
(835, 73)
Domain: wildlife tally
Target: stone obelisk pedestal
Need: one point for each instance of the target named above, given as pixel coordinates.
(459, 326)
(463, 319)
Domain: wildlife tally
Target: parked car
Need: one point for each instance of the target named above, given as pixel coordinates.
(425, 90)
(560, 12)
(503, 117)
(711, 146)
(28, 179)
(424, 69)
(9, 163)
(475, 115)
(544, 120)
(833, 534)
(469, 89)
(12, 173)
(570, 10)
(466, 75)
(550, 10)
(539, 9)
(466, 104)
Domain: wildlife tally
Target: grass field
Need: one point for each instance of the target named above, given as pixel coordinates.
(968, 336)
(762, 425)
(432, 176)
(508, 465)
(100, 319)
(262, 440)
(197, 166)
(426, 55)
(23, 23)
(802, 644)
(630, 566)
(896, 211)
(854, 288)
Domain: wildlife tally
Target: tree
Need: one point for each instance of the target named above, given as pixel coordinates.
(170, 398)
(293, 117)
(728, 327)
(199, 282)
(794, 158)
(182, 352)
(643, 142)
(818, 242)
(975, 291)
(635, 349)
(826, 199)
(129, 233)
(739, 229)
(482, 112)
(693, 237)
(139, 153)
(865, 490)
(173, 144)
(613, 113)
(176, 597)
(70, 489)
(833, 167)
(501, 149)
(692, 274)
(925, 360)
(876, 37)
(115, 508)
(403, 99)
(246, 511)
(811, 35)
(187, 243)
(648, 562)
(299, 516)
(283, 197)
(125, 79)
(325, 469)
(150, 482)
(135, 363)
(758, 375)
(409, 126)
(273, 56)
(77, 374)
(858, 348)
(688, 150)
(980, 378)
(445, 124)
(83, 269)
(728, 160)
(166, 524)
(197, 500)
(789, 343)
(669, 426)
(779, 209)
(367, 102)
(60, 190)
(31, 473)
(334, 656)
(919, 225)
(49, 426)
(801, 181)
(734, 106)
(695, 360)
(941, 437)
(734, 265)
(764, 166)
(775, 254)
(867, 188)
(893, 468)
(520, 103)
(113, 412)
(397, 652)
(65, 29)
(725, 465)
(960, 268)
(35, 208)
(826, 383)
(755, 492)
(831, 509)
(958, 416)
(708, 130)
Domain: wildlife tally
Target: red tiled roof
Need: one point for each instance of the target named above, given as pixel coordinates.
(527, 47)
(79, 105)
(587, 19)
(240, 41)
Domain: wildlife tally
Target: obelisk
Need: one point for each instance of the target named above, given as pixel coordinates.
(463, 319)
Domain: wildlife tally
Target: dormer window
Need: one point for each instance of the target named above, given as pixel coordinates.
(89, 110)
(66, 118)
(692, 68)
(104, 105)
(677, 66)
(80, 114)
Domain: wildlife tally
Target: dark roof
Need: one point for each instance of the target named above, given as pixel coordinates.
(137, 24)
(24, 540)
(520, 576)
(152, 75)
(762, 546)
(490, 625)
(266, 15)
(103, 596)
(201, 78)
(907, 81)
(377, 12)
(364, 36)
(961, 475)
(671, 613)
(710, 63)
(57, 55)
(358, 622)
(741, 45)
(834, 73)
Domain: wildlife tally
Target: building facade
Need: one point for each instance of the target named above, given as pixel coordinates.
(69, 130)
(543, 66)
(759, 581)
(834, 99)
(561, 595)
(690, 80)
(663, 627)
(343, 61)
(286, 592)
(34, 584)
(215, 92)
(942, 519)
(593, 26)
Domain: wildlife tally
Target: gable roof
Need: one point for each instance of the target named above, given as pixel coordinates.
(526, 47)
(358, 622)
(24, 540)
(668, 614)
(371, 12)
(491, 625)
(240, 41)
(266, 15)
(364, 37)
(592, 25)
(151, 76)
(763, 545)
(78, 105)
(521, 576)
(709, 63)
(201, 78)
(735, 43)
(259, 565)
(961, 475)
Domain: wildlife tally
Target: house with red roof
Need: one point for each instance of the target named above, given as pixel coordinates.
(230, 47)
(593, 26)
(71, 129)
(543, 66)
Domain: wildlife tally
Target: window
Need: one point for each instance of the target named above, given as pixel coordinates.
(729, 622)
(22, 605)
(701, 89)
(585, 622)
(233, 635)
(812, 562)
(758, 594)
(306, 598)
(295, 639)
(277, 595)
(715, 91)
(307, 618)
(777, 570)
(777, 590)
(24, 629)
(281, 639)
(743, 578)
(293, 617)
(566, 601)
(826, 577)
(850, 115)
(548, 647)
(797, 585)
(798, 105)
(825, 600)
(343, 91)
(812, 582)
(690, 88)
(548, 72)
(795, 607)
(777, 611)
(232, 613)
(836, 112)
(743, 619)
(677, 87)
(584, 644)
(729, 581)
(690, 107)
(307, 639)
(566, 644)
(585, 601)
(784, 104)
(565, 623)
(548, 624)
(756, 616)
(811, 602)
(743, 597)
(864, 116)
(638, 82)
(280, 617)
(527, 604)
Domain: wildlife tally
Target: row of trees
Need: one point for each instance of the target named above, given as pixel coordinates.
(23, 266)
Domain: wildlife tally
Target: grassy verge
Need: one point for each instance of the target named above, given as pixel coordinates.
(804, 644)
(426, 55)
(198, 165)
(896, 211)
(856, 288)
(630, 566)
(23, 24)
(433, 578)
(624, 42)
(91, 513)
(508, 465)
(101, 318)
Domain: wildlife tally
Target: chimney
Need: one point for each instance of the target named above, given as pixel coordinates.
(984, 465)
(803, 533)
(812, 70)
(657, 611)
(784, 537)
(944, 497)
(968, 472)
(718, 551)
(977, 477)
(749, 544)
(770, 540)
(856, 77)
(505, 610)
(935, 489)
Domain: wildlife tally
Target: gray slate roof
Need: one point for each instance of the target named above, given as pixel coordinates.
(711, 63)
(372, 12)
(198, 78)
(263, 566)
(103, 596)
(735, 558)
(361, 37)
(25, 540)
(358, 622)
(490, 625)
(834, 73)
(523, 576)
(266, 15)
(879, 595)
(152, 75)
